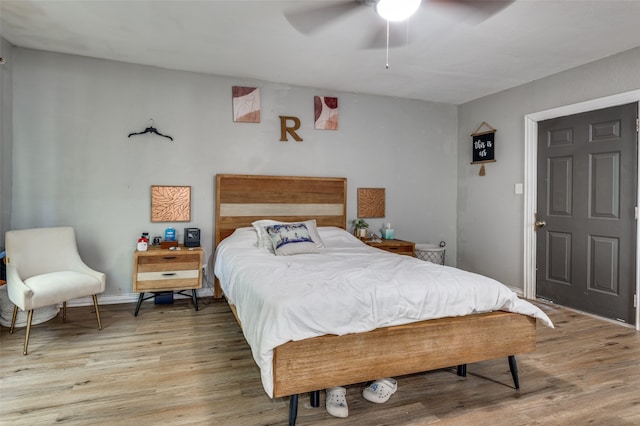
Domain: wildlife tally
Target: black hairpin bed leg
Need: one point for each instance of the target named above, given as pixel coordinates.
(293, 409)
(314, 398)
(462, 370)
(513, 366)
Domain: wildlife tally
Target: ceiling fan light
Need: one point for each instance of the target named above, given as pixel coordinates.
(397, 10)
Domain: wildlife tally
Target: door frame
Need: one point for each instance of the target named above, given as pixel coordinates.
(530, 186)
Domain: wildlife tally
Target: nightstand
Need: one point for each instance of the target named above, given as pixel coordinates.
(160, 271)
(394, 246)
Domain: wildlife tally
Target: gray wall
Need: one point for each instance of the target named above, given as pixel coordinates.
(74, 165)
(6, 136)
(490, 215)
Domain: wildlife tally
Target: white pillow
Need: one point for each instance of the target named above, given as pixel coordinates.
(290, 239)
(265, 242)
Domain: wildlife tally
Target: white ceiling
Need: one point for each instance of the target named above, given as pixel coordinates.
(450, 59)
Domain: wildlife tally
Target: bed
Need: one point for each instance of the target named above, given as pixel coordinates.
(382, 344)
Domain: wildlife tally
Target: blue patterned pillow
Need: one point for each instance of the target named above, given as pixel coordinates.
(265, 241)
(288, 239)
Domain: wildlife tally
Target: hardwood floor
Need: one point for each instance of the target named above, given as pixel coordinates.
(174, 366)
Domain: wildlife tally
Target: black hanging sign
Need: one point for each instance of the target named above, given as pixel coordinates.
(483, 145)
(483, 148)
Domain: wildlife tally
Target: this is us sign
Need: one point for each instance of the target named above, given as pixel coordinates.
(484, 146)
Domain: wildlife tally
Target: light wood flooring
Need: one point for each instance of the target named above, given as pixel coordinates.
(174, 366)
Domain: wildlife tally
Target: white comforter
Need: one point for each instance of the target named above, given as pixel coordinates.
(348, 287)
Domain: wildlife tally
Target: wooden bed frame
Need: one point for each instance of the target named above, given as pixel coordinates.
(359, 357)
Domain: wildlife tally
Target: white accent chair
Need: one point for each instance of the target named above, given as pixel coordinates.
(44, 268)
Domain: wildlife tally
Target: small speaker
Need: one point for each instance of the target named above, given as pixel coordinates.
(192, 237)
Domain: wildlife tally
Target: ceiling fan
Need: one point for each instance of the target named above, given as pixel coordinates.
(387, 21)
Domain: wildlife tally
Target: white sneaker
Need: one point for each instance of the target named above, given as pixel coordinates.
(336, 402)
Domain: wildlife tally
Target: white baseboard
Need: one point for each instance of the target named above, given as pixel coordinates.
(133, 297)
(115, 299)
(517, 291)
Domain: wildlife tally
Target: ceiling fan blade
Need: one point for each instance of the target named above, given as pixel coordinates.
(309, 21)
(468, 11)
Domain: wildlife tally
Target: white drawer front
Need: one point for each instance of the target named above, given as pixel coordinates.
(167, 275)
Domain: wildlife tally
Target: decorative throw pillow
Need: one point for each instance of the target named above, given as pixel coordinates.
(265, 242)
(288, 239)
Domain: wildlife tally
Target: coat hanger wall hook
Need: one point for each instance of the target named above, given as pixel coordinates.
(150, 129)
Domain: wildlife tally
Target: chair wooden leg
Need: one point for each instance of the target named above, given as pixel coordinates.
(13, 319)
(26, 336)
(95, 303)
(64, 311)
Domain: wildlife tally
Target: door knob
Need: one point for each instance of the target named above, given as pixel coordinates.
(539, 224)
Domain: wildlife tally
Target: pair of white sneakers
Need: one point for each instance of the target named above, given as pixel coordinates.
(378, 392)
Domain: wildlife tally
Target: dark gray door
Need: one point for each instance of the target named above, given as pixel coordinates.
(587, 174)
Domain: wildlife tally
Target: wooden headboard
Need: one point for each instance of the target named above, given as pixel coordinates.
(243, 199)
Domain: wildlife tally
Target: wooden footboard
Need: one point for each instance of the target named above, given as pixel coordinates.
(399, 350)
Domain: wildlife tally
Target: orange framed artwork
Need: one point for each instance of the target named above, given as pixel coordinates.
(371, 202)
(170, 203)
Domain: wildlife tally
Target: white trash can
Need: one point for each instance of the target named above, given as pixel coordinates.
(431, 253)
(40, 315)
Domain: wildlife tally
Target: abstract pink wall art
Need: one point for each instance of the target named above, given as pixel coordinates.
(325, 112)
(246, 104)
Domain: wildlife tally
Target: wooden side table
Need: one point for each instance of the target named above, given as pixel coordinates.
(160, 270)
(394, 246)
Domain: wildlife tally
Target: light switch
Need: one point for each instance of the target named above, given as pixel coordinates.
(519, 189)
